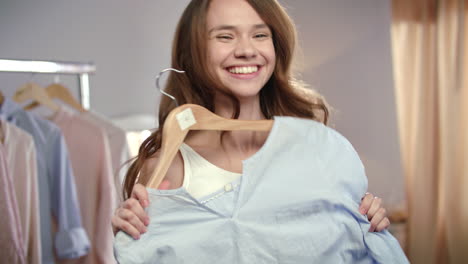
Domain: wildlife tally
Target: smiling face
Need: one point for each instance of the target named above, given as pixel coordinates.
(240, 47)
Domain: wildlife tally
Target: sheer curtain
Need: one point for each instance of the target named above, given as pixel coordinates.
(430, 56)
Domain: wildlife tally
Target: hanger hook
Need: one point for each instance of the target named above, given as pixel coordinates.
(56, 78)
(31, 77)
(161, 90)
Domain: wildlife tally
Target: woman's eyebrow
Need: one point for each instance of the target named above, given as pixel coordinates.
(231, 27)
(222, 27)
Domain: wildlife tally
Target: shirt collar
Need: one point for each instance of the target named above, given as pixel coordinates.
(8, 108)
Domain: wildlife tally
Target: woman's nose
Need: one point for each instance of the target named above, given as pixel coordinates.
(245, 49)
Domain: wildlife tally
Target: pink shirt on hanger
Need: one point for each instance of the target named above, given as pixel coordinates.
(20, 154)
(11, 242)
(120, 152)
(90, 157)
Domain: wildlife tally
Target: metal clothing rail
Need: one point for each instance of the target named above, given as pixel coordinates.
(54, 67)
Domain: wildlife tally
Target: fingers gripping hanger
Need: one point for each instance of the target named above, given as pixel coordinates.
(188, 117)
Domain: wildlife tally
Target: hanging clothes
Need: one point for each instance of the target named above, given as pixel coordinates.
(92, 167)
(57, 190)
(119, 150)
(20, 155)
(11, 239)
(296, 202)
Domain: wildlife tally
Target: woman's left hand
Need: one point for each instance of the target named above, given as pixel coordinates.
(377, 215)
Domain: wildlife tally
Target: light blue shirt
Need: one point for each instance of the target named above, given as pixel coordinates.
(57, 190)
(296, 202)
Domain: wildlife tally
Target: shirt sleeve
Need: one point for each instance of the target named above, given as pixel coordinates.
(347, 169)
(350, 180)
(71, 240)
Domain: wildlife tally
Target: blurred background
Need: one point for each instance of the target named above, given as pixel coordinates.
(393, 71)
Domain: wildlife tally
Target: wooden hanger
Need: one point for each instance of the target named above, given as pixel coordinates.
(194, 117)
(58, 91)
(32, 91)
(188, 117)
(1, 98)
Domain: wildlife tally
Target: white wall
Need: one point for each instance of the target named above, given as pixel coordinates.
(346, 56)
(129, 41)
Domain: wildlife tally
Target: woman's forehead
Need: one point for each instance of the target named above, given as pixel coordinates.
(232, 13)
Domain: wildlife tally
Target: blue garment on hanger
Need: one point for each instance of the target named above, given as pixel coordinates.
(57, 190)
(296, 202)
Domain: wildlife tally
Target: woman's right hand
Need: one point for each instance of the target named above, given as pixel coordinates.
(131, 217)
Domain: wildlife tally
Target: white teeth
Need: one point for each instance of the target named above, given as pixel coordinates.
(243, 70)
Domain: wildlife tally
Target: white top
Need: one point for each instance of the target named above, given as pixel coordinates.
(201, 177)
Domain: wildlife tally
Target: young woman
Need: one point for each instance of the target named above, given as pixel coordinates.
(237, 57)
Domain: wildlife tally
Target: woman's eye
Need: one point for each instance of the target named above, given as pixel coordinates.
(224, 37)
(261, 35)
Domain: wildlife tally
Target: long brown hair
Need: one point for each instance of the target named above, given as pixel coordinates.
(279, 97)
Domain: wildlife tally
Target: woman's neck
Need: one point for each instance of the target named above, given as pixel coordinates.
(245, 142)
(226, 149)
(249, 109)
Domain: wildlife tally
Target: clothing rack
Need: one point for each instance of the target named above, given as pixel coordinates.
(55, 67)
